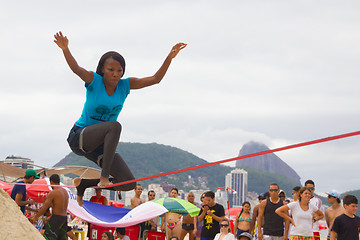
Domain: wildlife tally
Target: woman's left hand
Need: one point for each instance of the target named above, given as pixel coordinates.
(176, 49)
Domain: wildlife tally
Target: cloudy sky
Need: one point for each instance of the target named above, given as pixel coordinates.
(277, 72)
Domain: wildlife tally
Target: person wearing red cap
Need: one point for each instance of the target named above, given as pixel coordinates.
(18, 193)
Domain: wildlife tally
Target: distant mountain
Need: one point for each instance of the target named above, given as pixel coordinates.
(151, 159)
(267, 163)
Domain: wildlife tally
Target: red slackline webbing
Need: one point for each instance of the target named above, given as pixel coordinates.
(327, 139)
(242, 157)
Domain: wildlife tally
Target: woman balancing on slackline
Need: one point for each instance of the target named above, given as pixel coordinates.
(96, 134)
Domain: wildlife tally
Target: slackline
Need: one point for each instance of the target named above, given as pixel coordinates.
(298, 145)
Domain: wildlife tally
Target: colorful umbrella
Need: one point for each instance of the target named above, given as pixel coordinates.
(6, 187)
(180, 206)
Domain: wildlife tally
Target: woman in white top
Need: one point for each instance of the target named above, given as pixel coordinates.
(225, 232)
(302, 215)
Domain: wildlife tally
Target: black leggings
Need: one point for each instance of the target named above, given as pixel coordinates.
(98, 143)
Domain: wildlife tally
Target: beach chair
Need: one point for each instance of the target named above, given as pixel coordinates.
(133, 232)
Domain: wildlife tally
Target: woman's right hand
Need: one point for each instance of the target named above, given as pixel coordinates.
(292, 221)
(61, 40)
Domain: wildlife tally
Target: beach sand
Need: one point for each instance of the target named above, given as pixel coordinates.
(14, 225)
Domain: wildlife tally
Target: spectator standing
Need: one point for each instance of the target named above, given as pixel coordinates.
(317, 202)
(58, 198)
(302, 215)
(199, 224)
(173, 220)
(334, 210)
(211, 213)
(295, 193)
(253, 228)
(153, 223)
(188, 222)
(243, 220)
(18, 193)
(347, 225)
(98, 198)
(273, 228)
(137, 200)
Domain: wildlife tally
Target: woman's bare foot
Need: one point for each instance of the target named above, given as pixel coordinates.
(104, 182)
(79, 199)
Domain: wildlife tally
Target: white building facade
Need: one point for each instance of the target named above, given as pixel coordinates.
(19, 162)
(238, 181)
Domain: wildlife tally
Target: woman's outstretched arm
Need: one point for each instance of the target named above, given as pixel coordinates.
(137, 83)
(63, 43)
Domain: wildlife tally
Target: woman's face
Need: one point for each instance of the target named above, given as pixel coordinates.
(306, 195)
(174, 194)
(224, 226)
(246, 208)
(112, 70)
(104, 237)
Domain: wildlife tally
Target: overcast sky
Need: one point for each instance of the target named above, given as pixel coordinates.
(277, 72)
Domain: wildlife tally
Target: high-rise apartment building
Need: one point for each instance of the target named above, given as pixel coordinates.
(238, 180)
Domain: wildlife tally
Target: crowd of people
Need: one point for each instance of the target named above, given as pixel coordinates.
(273, 218)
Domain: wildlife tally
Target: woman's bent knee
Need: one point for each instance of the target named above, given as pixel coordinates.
(115, 126)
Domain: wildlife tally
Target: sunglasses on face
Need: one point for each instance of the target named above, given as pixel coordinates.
(273, 190)
(329, 196)
(152, 195)
(311, 188)
(224, 225)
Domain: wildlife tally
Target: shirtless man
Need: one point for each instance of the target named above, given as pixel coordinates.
(189, 223)
(153, 223)
(335, 210)
(255, 214)
(58, 199)
(173, 223)
(137, 200)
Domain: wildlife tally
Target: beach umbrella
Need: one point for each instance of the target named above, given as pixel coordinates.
(6, 187)
(232, 212)
(180, 206)
(38, 193)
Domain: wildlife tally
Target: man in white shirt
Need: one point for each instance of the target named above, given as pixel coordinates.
(316, 202)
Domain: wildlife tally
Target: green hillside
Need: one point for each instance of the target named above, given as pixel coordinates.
(151, 159)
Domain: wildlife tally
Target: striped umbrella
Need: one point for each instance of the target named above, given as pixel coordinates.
(180, 206)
